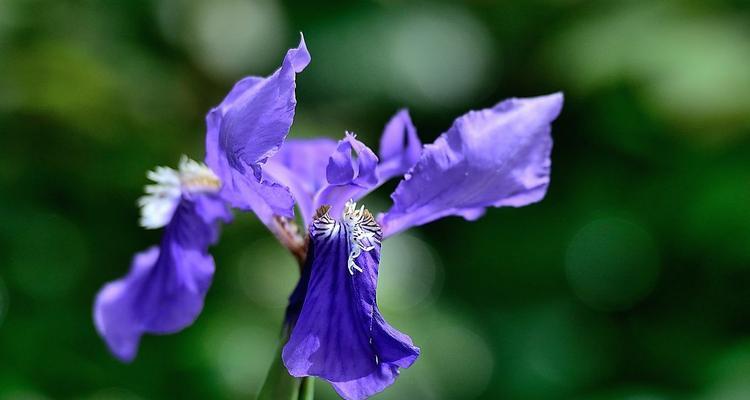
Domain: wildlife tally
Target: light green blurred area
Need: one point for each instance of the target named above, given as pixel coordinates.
(629, 281)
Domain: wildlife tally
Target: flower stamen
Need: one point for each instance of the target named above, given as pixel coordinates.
(197, 177)
(161, 198)
(363, 232)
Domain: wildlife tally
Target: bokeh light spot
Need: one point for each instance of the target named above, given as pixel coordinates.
(728, 375)
(612, 263)
(438, 56)
(466, 353)
(231, 38)
(240, 351)
(267, 273)
(550, 350)
(455, 361)
(408, 273)
(690, 69)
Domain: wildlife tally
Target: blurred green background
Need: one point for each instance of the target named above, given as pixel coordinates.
(630, 280)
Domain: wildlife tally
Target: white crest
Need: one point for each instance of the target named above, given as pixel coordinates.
(363, 233)
(163, 196)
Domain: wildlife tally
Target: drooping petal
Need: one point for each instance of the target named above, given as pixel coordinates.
(301, 166)
(399, 147)
(164, 290)
(490, 158)
(383, 376)
(247, 128)
(339, 334)
(351, 172)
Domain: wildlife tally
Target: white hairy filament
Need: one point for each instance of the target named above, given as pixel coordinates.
(162, 197)
(361, 229)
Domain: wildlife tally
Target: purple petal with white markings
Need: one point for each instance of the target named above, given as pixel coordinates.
(339, 334)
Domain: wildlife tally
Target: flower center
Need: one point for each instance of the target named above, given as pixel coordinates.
(361, 229)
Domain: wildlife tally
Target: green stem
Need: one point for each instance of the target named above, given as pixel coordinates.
(307, 388)
(279, 385)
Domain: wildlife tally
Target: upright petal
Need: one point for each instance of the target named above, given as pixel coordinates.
(490, 158)
(164, 290)
(351, 172)
(399, 147)
(301, 166)
(339, 334)
(247, 128)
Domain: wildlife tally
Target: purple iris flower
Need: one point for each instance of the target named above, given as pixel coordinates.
(165, 288)
(496, 157)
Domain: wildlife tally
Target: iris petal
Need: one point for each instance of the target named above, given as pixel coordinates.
(301, 165)
(351, 173)
(490, 158)
(247, 128)
(165, 288)
(322, 172)
(399, 147)
(339, 334)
